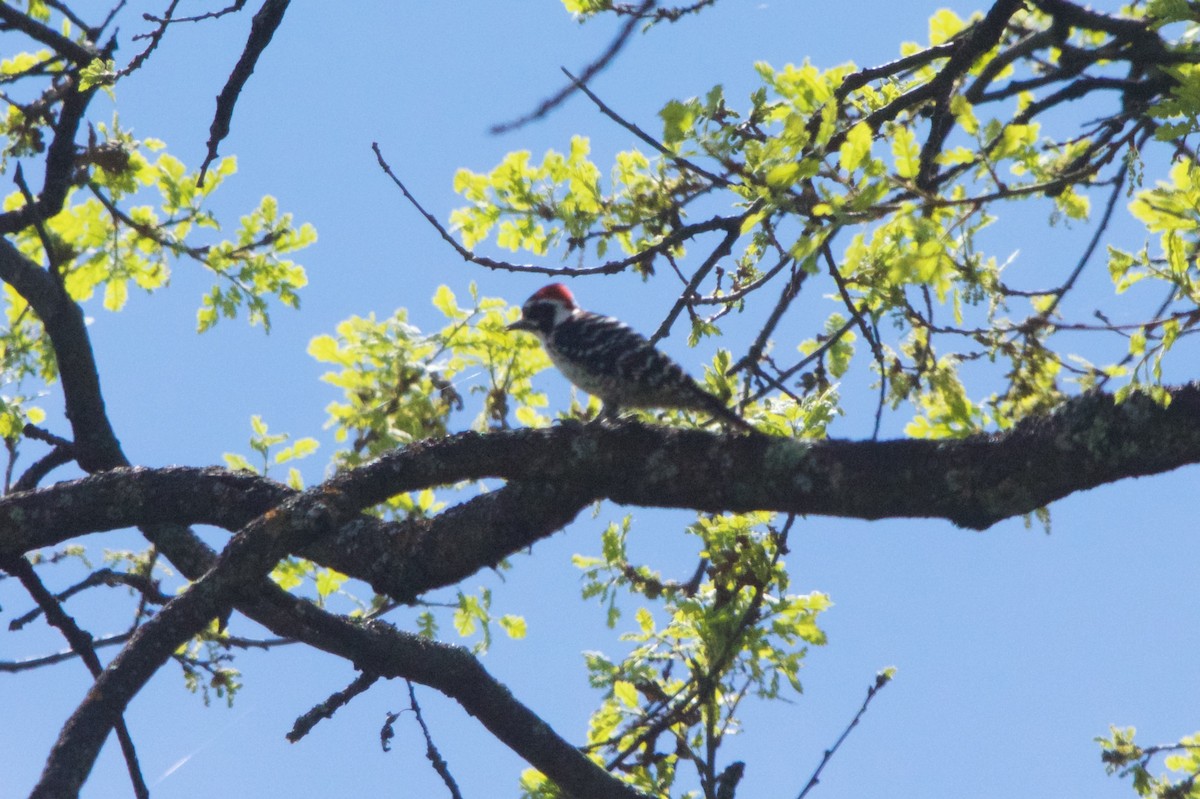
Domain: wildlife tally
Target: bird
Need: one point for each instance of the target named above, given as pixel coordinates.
(609, 360)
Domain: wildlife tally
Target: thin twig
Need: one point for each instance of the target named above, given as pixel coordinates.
(112, 14)
(154, 36)
(646, 137)
(789, 293)
(696, 689)
(38, 221)
(736, 294)
(144, 585)
(592, 69)
(15, 666)
(229, 642)
(868, 332)
(1062, 290)
(431, 751)
(608, 268)
(66, 11)
(37, 471)
(41, 434)
(325, 710)
(864, 76)
(720, 251)
(832, 339)
(848, 301)
(230, 9)
(881, 679)
(661, 14)
(81, 54)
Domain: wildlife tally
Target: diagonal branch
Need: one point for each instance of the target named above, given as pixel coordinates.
(791, 290)
(60, 162)
(262, 28)
(589, 72)
(379, 648)
(81, 54)
(81, 644)
(401, 559)
(722, 250)
(978, 41)
(674, 157)
(28, 664)
(881, 680)
(243, 563)
(96, 445)
(331, 704)
(431, 751)
(667, 243)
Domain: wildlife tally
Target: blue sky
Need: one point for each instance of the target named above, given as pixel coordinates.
(1014, 648)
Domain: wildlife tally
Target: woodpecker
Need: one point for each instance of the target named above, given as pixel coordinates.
(607, 359)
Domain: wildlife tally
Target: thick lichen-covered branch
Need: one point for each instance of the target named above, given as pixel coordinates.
(974, 481)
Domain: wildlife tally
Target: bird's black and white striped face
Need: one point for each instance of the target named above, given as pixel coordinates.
(545, 310)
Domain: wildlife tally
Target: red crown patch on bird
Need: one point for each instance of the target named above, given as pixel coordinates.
(555, 291)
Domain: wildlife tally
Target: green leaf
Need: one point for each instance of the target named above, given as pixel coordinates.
(324, 348)
(427, 625)
(964, 113)
(783, 175)
(906, 152)
(116, 293)
(856, 147)
(290, 573)
(514, 626)
(645, 620)
(237, 462)
(425, 500)
(944, 25)
(302, 448)
(678, 119)
(329, 581)
(626, 693)
(444, 301)
(98, 73)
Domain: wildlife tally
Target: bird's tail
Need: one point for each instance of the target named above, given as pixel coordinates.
(724, 415)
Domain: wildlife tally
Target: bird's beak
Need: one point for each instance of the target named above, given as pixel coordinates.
(522, 324)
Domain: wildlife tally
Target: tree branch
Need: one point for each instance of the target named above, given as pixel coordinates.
(96, 445)
(589, 72)
(81, 644)
(431, 751)
(974, 482)
(881, 680)
(684, 163)
(262, 28)
(330, 705)
(722, 250)
(401, 559)
(29, 664)
(60, 162)
(677, 237)
(977, 41)
(82, 55)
